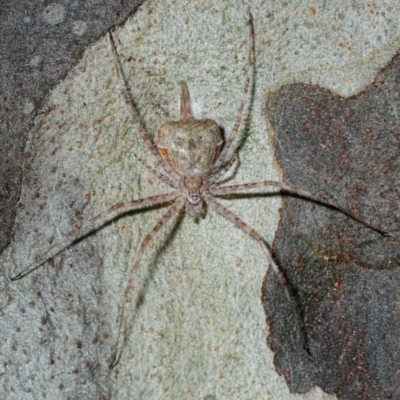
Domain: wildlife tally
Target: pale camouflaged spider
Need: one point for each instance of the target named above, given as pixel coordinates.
(193, 159)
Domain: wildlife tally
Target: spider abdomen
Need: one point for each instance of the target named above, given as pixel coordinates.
(190, 146)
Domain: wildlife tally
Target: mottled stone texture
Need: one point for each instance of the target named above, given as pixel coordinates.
(40, 42)
(343, 276)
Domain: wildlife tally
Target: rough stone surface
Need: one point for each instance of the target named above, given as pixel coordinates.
(343, 275)
(40, 43)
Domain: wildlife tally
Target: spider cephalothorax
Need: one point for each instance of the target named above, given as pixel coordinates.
(194, 188)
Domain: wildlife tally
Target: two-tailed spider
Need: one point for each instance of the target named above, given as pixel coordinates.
(193, 159)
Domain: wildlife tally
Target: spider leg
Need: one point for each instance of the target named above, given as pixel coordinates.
(185, 107)
(167, 216)
(214, 204)
(156, 173)
(223, 190)
(93, 224)
(232, 164)
(168, 170)
(224, 156)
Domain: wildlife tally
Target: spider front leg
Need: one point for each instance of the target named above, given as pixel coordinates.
(158, 174)
(235, 189)
(95, 223)
(124, 91)
(227, 169)
(224, 156)
(167, 216)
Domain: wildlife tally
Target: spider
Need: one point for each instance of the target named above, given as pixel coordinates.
(193, 159)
